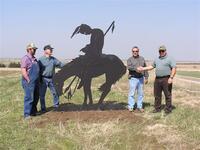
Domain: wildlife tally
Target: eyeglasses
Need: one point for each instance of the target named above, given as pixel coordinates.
(34, 49)
(161, 51)
(135, 51)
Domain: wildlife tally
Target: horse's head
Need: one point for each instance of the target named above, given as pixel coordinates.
(70, 69)
(58, 83)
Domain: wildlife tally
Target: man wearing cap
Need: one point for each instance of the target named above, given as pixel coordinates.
(47, 70)
(136, 79)
(165, 71)
(30, 75)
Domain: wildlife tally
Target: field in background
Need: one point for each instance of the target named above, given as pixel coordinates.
(189, 73)
(74, 127)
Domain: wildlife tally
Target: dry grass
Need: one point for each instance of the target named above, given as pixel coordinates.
(167, 135)
(87, 136)
(177, 131)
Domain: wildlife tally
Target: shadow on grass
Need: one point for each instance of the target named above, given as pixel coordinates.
(109, 105)
(145, 105)
(163, 107)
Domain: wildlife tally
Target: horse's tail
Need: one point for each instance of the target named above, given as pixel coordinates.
(122, 69)
(118, 68)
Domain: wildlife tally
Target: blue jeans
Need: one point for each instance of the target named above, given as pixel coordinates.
(47, 82)
(135, 84)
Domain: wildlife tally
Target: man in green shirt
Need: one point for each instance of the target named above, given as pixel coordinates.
(47, 65)
(165, 71)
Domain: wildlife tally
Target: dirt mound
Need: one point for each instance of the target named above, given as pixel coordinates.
(72, 112)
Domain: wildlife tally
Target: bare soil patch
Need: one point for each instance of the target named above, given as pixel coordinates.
(91, 114)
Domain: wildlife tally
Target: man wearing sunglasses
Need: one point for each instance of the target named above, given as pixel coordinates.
(165, 71)
(136, 79)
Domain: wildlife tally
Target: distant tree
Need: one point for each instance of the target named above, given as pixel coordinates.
(14, 65)
(2, 65)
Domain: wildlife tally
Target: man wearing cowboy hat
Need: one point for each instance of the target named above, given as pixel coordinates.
(30, 75)
(47, 65)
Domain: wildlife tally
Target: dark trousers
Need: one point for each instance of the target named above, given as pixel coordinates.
(161, 84)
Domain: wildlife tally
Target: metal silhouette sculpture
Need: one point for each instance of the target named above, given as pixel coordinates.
(93, 64)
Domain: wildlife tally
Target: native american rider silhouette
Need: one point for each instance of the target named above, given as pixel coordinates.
(93, 64)
(94, 49)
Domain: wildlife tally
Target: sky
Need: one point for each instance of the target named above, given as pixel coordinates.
(143, 23)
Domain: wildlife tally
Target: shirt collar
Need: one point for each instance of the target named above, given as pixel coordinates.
(47, 57)
(30, 56)
(163, 57)
(136, 56)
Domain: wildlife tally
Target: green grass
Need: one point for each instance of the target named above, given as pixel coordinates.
(153, 131)
(187, 120)
(195, 74)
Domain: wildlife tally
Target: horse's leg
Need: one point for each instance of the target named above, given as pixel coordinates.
(90, 92)
(85, 95)
(103, 95)
(87, 91)
(105, 88)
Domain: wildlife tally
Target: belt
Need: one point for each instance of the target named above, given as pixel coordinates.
(49, 77)
(132, 76)
(158, 77)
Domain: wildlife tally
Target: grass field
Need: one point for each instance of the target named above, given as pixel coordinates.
(195, 74)
(74, 127)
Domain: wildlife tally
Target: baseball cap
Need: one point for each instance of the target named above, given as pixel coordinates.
(48, 47)
(31, 45)
(162, 47)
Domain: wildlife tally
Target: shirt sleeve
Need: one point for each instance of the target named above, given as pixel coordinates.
(58, 63)
(23, 62)
(146, 74)
(129, 65)
(172, 63)
(154, 64)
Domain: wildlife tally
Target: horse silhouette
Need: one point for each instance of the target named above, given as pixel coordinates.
(93, 64)
(85, 69)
